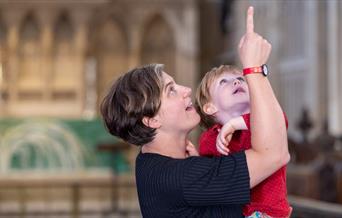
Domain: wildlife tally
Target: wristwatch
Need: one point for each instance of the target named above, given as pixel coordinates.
(262, 69)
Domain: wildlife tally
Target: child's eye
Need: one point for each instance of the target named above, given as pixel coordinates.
(241, 79)
(223, 81)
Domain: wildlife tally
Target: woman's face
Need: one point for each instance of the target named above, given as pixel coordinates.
(176, 113)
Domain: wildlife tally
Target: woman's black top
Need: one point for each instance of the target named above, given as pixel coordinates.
(192, 187)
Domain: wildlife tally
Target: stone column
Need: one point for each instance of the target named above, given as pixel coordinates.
(12, 19)
(46, 18)
(80, 17)
(334, 70)
(313, 87)
(2, 84)
(187, 32)
(134, 38)
(134, 49)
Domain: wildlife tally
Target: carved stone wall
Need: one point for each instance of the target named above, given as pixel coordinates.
(45, 48)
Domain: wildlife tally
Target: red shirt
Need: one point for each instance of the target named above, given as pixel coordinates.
(270, 195)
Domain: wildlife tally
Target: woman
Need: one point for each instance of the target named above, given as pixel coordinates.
(147, 108)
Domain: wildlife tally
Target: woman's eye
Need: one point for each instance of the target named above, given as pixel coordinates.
(172, 90)
(223, 81)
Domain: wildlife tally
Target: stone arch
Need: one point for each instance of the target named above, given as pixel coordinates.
(30, 78)
(111, 52)
(158, 44)
(64, 78)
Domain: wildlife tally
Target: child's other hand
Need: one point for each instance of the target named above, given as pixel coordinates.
(291, 209)
(190, 149)
(224, 137)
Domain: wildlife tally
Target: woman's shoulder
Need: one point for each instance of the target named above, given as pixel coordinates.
(157, 162)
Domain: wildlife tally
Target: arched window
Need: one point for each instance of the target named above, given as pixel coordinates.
(30, 79)
(158, 45)
(112, 53)
(64, 78)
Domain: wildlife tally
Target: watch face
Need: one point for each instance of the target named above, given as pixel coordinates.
(265, 70)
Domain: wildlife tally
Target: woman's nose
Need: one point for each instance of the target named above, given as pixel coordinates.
(187, 91)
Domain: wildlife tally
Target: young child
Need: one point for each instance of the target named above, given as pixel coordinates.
(223, 103)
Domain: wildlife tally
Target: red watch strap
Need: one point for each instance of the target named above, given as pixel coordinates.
(250, 70)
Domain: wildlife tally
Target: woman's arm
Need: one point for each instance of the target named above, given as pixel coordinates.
(269, 139)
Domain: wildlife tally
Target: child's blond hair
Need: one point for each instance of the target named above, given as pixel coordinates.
(203, 93)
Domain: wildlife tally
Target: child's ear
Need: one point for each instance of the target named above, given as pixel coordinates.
(151, 122)
(209, 108)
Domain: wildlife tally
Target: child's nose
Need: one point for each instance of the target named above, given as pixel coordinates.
(236, 82)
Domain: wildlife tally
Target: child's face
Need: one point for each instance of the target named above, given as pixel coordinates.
(229, 93)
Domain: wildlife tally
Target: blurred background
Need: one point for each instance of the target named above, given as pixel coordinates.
(58, 57)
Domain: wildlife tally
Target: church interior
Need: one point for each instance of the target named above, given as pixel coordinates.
(59, 57)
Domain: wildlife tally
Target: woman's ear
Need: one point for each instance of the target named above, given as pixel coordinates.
(209, 108)
(151, 122)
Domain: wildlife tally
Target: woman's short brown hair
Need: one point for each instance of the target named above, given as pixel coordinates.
(133, 96)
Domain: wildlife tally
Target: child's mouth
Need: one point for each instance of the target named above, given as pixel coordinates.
(239, 90)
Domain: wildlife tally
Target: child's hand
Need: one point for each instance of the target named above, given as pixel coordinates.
(190, 149)
(224, 137)
(290, 212)
(226, 133)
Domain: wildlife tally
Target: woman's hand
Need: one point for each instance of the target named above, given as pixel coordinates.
(253, 49)
(190, 149)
